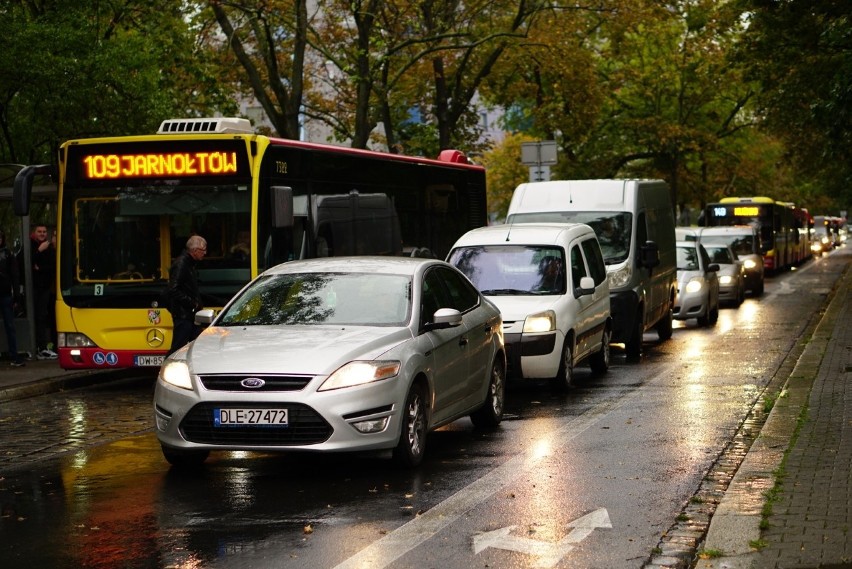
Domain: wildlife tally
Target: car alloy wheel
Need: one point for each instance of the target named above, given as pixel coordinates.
(412, 440)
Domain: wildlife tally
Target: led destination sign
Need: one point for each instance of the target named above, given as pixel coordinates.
(746, 211)
(159, 164)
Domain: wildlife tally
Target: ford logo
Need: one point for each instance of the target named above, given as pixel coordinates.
(252, 383)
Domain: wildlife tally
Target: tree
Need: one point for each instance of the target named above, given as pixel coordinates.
(70, 69)
(268, 40)
(801, 53)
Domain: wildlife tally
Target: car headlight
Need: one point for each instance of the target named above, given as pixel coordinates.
(541, 322)
(359, 373)
(694, 285)
(726, 279)
(176, 373)
(750, 264)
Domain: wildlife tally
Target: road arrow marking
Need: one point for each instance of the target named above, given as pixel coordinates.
(549, 554)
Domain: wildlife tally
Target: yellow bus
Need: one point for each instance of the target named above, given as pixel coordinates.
(127, 205)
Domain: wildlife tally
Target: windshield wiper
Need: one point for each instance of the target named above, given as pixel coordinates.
(504, 291)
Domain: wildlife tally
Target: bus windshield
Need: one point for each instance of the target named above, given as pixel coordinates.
(127, 237)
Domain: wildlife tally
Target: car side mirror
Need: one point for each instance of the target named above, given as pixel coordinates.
(713, 267)
(445, 318)
(204, 317)
(587, 286)
(649, 255)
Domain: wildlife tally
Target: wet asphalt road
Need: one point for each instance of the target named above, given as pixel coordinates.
(83, 484)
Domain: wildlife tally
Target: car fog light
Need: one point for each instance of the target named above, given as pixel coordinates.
(371, 426)
(162, 420)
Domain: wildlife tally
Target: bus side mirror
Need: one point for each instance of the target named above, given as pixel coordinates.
(282, 207)
(23, 187)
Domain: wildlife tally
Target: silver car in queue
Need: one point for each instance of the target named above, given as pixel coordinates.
(339, 354)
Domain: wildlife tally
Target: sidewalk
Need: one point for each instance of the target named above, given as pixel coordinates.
(42, 376)
(811, 513)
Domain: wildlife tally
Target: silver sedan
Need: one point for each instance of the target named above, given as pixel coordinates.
(341, 354)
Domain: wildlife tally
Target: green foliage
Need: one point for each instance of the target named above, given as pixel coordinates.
(70, 69)
(800, 52)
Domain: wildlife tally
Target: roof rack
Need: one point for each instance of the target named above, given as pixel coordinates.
(218, 125)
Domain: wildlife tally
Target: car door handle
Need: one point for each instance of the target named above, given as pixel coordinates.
(463, 341)
(488, 329)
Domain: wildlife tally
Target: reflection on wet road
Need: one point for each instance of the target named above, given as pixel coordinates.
(83, 483)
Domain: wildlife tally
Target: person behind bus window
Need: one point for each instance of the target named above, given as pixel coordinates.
(241, 250)
(184, 298)
(44, 271)
(9, 288)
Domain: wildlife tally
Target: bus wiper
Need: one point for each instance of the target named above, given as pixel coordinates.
(504, 291)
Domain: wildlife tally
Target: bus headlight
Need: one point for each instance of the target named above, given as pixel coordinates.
(74, 340)
(541, 322)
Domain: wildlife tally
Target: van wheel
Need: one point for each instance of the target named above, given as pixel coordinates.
(633, 346)
(599, 361)
(565, 376)
(664, 326)
(411, 447)
(489, 415)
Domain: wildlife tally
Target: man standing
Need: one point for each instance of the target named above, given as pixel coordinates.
(44, 269)
(9, 287)
(183, 295)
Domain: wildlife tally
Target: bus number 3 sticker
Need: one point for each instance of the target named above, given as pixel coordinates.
(99, 290)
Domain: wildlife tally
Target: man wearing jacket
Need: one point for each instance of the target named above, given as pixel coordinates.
(184, 298)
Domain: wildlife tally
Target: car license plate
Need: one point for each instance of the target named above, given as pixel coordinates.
(145, 361)
(251, 417)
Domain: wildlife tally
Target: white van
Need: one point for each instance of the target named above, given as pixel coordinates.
(634, 222)
(549, 282)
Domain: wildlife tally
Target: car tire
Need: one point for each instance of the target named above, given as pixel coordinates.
(664, 326)
(759, 289)
(633, 345)
(491, 413)
(714, 315)
(599, 361)
(411, 447)
(565, 376)
(184, 458)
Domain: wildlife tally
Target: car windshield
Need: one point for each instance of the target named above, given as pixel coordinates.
(322, 298)
(687, 259)
(612, 228)
(719, 255)
(506, 270)
(741, 244)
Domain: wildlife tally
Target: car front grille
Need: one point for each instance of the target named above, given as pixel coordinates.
(306, 427)
(232, 382)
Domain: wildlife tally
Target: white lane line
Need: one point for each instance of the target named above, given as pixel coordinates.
(400, 541)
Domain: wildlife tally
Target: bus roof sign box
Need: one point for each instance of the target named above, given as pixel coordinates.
(218, 125)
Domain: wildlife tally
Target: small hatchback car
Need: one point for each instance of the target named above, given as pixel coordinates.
(550, 283)
(698, 285)
(340, 354)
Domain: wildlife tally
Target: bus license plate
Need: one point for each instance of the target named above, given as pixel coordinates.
(251, 417)
(146, 361)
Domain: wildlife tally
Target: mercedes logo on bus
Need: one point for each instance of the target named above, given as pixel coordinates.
(252, 383)
(155, 337)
